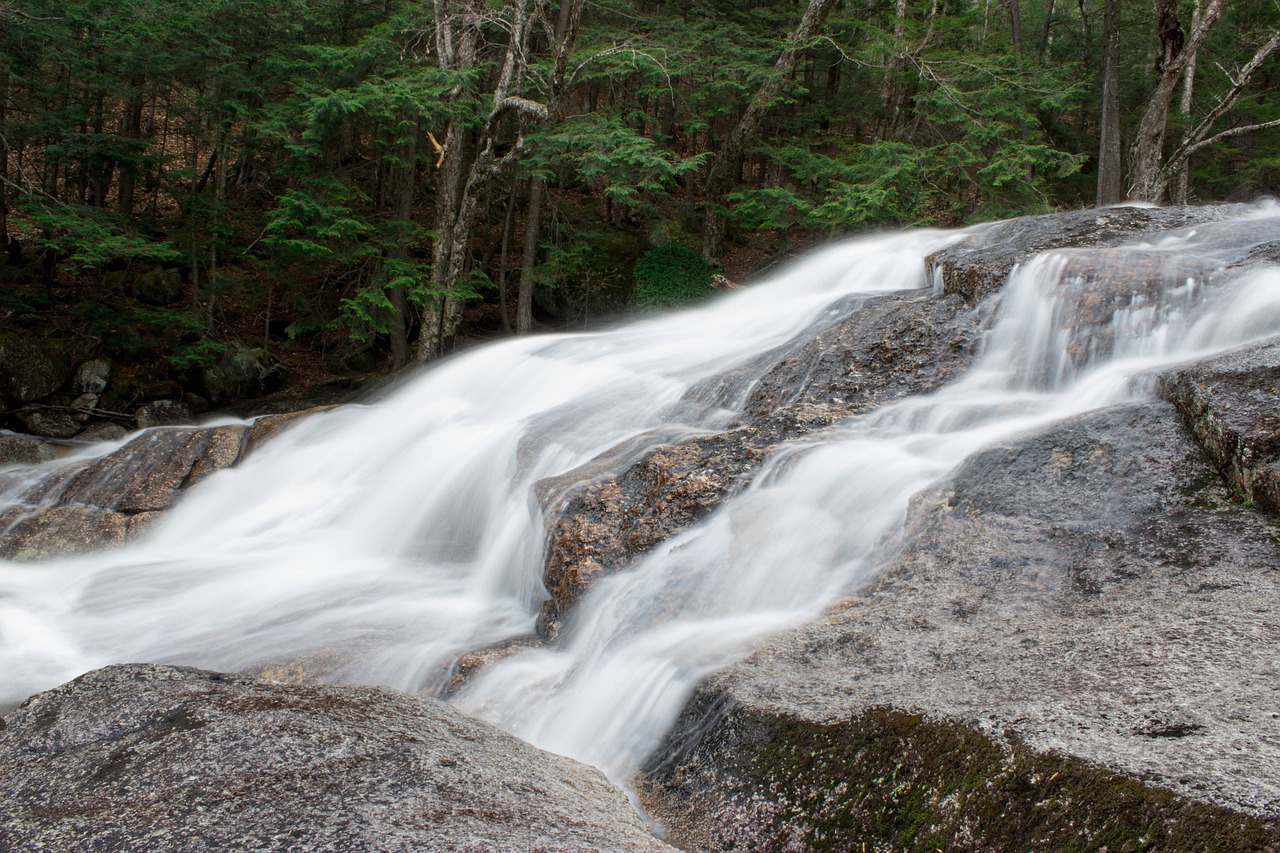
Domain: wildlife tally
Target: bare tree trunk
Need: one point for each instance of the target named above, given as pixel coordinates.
(715, 226)
(529, 258)
(1182, 176)
(1147, 181)
(508, 222)
(1045, 31)
(1015, 26)
(566, 32)
(130, 128)
(1110, 190)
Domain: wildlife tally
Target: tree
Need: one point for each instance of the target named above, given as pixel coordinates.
(730, 152)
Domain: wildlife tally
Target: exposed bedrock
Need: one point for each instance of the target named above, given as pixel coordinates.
(1231, 404)
(605, 515)
(1075, 647)
(145, 757)
(978, 266)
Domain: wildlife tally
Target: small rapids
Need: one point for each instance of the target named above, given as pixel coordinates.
(385, 540)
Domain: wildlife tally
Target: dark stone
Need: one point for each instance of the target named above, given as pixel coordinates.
(147, 757)
(92, 377)
(30, 369)
(1231, 404)
(163, 413)
(242, 371)
(23, 450)
(158, 287)
(49, 423)
(41, 533)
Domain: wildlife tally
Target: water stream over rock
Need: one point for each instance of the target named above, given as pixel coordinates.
(381, 542)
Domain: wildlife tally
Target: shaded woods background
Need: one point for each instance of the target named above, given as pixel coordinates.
(350, 184)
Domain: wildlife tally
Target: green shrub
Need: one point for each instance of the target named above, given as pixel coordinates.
(669, 276)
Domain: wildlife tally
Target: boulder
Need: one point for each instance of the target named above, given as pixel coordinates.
(45, 532)
(52, 423)
(1073, 648)
(149, 472)
(24, 450)
(147, 757)
(29, 369)
(102, 432)
(241, 371)
(158, 287)
(92, 377)
(163, 413)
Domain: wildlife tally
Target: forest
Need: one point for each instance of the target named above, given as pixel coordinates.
(336, 186)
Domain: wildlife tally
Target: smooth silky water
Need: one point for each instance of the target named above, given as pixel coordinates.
(387, 539)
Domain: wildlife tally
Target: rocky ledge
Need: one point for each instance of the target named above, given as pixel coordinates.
(1064, 653)
(145, 757)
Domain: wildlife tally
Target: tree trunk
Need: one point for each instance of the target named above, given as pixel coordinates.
(1110, 189)
(1147, 181)
(529, 258)
(1182, 176)
(715, 226)
(130, 128)
(1045, 32)
(1015, 26)
(566, 31)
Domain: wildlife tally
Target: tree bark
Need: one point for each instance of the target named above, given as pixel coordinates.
(565, 33)
(1110, 190)
(1146, 177)
(1015, 25)
(715, 226)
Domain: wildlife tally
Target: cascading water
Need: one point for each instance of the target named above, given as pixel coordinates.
(395, 536)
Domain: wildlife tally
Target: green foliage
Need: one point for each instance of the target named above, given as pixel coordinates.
(601, 149)
(89, 237)
(670, 276)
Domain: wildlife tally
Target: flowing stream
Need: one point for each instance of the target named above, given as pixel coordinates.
(387, 539)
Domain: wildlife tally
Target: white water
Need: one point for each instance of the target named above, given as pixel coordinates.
(392, 537)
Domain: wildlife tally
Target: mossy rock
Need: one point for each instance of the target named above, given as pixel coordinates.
(242, 371)
(158, 287)
(30, 369)
(889, 779)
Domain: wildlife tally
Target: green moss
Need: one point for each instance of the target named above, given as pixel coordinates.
(901, 781)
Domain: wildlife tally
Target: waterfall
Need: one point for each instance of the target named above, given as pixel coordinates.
(394, 536)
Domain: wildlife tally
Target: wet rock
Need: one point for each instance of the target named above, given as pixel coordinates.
(149, 472)
(1087, 602)
(268, 426)
(977, 266)
(145, 757)
(142, 524)
(1231, 404)
(49, 422)
(92, 377)
(163, 413)
(102, 432)
(29, 369)
(23, 450)
(41, 533)
(606, 514)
